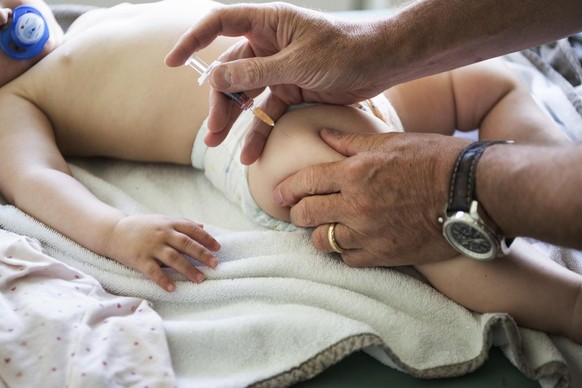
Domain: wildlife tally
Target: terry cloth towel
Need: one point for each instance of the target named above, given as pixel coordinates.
(275, 311)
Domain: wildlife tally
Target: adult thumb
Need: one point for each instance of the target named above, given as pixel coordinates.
(248, 74)
(350, 144)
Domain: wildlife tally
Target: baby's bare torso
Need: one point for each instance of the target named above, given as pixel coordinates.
(107, 91)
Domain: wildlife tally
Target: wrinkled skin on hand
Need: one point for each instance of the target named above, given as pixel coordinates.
(386, 197)
(305, 56)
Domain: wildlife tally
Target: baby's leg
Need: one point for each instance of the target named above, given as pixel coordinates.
(295, 144)
(535, 291)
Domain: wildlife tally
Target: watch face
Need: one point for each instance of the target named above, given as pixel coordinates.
(470, 238)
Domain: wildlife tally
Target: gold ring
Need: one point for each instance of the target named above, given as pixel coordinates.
(331, 238)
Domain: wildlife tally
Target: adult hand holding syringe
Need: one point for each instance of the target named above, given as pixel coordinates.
(300, 54)
(240, 99)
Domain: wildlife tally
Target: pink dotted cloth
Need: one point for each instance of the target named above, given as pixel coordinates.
(60, 328)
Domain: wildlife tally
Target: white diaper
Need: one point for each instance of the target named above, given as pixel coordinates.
(223, 168)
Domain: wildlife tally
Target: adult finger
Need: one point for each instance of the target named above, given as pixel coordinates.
(222, 116)
(258, 132)
(315, 210)
(254, 72)
(222, 110)
(350, 144)
(317, 179)
(233, 20)
(343, 237)
(254, 144)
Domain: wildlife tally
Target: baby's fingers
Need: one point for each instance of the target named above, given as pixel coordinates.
(194, 241)
(4, 16)
(153, 271)
(188, 246)
(176, 260)
(186, 239)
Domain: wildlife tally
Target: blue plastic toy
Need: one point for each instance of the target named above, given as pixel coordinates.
(26, 36)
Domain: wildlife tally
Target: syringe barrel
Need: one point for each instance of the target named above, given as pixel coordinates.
(197, 64)
(241, 99)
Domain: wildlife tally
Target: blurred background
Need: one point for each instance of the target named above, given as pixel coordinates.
(323, 5)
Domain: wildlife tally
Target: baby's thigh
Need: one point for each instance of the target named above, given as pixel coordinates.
(295, 144)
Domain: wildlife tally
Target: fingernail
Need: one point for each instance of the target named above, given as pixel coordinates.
(170, 287)
(213, 262)
(332, 132)
(199, 278)
(278, 197)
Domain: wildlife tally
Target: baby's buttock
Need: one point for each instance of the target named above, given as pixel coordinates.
(295, 144)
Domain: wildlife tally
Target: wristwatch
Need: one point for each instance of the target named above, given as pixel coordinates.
(464, 224)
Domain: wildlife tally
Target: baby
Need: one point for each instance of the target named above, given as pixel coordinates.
(105, 91)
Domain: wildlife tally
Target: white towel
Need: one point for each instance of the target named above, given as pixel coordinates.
(275, 311)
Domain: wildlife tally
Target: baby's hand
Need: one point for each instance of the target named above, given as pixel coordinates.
(4, 16)
(142, 242)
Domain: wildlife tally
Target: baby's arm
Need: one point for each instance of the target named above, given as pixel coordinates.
(35, 177)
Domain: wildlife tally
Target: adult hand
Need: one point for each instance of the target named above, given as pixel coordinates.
(385, 197)
(305, 56)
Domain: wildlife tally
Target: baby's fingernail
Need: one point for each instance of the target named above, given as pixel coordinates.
(170, 287)
(213, 262)
(199, 278)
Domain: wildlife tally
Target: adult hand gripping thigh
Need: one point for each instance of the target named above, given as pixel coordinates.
(303, 55)
(385, 197)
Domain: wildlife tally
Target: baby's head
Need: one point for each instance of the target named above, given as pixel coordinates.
(11, 68)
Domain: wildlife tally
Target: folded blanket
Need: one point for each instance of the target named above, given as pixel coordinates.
(275, 311)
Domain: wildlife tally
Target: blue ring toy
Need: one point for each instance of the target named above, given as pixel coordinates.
(26, 36)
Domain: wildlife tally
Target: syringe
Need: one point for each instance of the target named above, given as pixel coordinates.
(242, 100)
